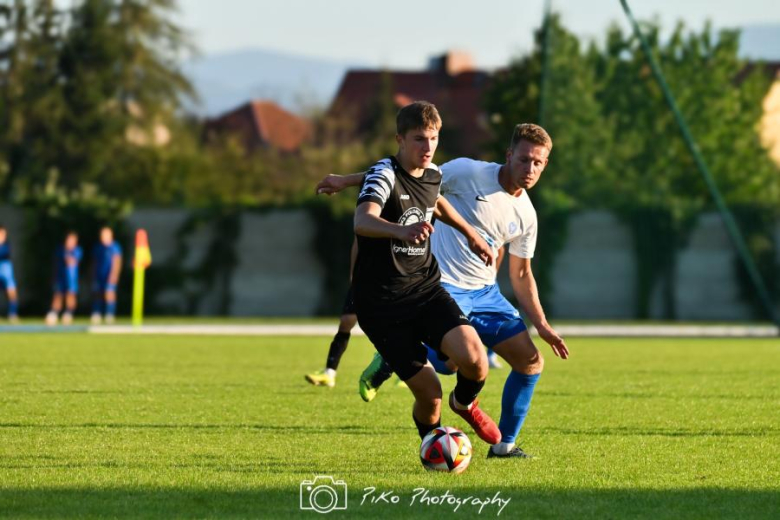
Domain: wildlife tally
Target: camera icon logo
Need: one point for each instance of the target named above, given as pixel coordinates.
(323, 494)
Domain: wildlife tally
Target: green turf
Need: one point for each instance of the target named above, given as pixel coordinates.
(201, 427)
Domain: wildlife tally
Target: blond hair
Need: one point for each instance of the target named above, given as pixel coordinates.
(533, 134)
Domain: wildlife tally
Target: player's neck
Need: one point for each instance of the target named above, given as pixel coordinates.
(505, 181)
(408, 168)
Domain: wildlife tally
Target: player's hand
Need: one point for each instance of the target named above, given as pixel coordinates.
(481, 248)
(416, 233)
(330, 185)
(555, 341)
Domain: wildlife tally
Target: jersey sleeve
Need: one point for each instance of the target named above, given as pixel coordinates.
(116, 249)
(377, 184)
(524, 246)
(451, 173)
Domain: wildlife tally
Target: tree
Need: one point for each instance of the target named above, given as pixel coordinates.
(76, 84)
(618, 147)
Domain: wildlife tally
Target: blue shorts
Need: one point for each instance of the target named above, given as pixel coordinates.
(67, 283)
(7, 281)
(101, 286)
(489, 312)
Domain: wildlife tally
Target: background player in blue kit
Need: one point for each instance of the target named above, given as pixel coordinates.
(66, 279)
(107, 264)
(7, 281)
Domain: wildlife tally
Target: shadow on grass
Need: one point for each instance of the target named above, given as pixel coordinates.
(276, 503)
(354, 429)
(623, 431)
(343, 429)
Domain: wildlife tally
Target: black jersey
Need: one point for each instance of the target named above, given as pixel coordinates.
(391, 276)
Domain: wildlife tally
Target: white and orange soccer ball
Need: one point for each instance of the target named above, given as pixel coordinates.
(445, 449)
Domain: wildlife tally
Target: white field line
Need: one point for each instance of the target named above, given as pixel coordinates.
(671, 331)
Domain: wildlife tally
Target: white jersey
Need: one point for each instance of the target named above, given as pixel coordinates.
(473, 190)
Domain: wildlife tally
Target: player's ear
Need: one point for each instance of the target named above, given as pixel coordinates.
(399, 139)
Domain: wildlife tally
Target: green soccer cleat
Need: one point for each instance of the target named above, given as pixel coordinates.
(376, 373)
(321, 378)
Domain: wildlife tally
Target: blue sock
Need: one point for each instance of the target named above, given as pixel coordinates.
(518, 390)
(111, 308)
(13, 307)
(437, 363)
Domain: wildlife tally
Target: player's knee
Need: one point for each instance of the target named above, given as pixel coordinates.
(476, 365)
(429, 403)
(532, 364)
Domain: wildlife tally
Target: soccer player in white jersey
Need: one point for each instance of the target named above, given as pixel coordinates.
(493, 199)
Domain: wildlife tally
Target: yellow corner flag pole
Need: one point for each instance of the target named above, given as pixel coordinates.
(143, 259)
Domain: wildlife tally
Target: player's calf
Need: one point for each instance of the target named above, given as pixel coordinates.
(464, 347)
(427, 393)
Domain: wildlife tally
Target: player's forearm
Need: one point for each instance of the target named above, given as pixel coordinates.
(527, 294)
(113, 278)
(335, 183)
(372, 226)
(450, 216)
(353, 179)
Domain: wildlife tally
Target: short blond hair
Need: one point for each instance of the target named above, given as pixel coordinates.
(420, 114)
(533, 134)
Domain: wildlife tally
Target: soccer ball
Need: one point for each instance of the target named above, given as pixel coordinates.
(445, 449)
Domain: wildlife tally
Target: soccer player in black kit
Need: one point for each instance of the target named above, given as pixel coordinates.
(399, 301)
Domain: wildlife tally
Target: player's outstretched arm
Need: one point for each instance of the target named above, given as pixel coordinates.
(527, 294)
(369, 223)
(450, 216)
(335, 183)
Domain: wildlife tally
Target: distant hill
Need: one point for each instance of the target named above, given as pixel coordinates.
(761, 42)
(226, 80)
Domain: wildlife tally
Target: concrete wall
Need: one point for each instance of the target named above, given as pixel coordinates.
(279, 273)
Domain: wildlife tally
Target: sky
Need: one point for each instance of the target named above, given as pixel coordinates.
(405, 33)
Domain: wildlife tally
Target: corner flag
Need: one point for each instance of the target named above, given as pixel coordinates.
(143, 259)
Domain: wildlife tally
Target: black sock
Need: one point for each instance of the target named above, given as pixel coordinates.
(467, 390)
(424, 429)
(337, 348)
(382, 375)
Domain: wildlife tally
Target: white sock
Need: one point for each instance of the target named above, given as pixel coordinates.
(459, 406)
(503, 448)
(330, 372)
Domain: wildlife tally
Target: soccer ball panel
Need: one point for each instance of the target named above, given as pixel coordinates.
(445, 449)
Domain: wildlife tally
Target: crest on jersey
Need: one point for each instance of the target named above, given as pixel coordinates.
(411, 216)
(512, 228)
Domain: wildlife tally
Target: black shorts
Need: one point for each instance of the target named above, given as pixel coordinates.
(400, 340)
(349, 303)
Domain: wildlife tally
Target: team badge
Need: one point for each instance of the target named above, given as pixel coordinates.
(411, 216)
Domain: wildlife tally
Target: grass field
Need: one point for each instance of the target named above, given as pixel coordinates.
(200, 427)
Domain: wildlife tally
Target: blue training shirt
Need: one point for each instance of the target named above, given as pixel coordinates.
(62, 255)
(104, 257)
(5, 251)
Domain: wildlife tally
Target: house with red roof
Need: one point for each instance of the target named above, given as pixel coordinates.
(261, 124)
(451, 82)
